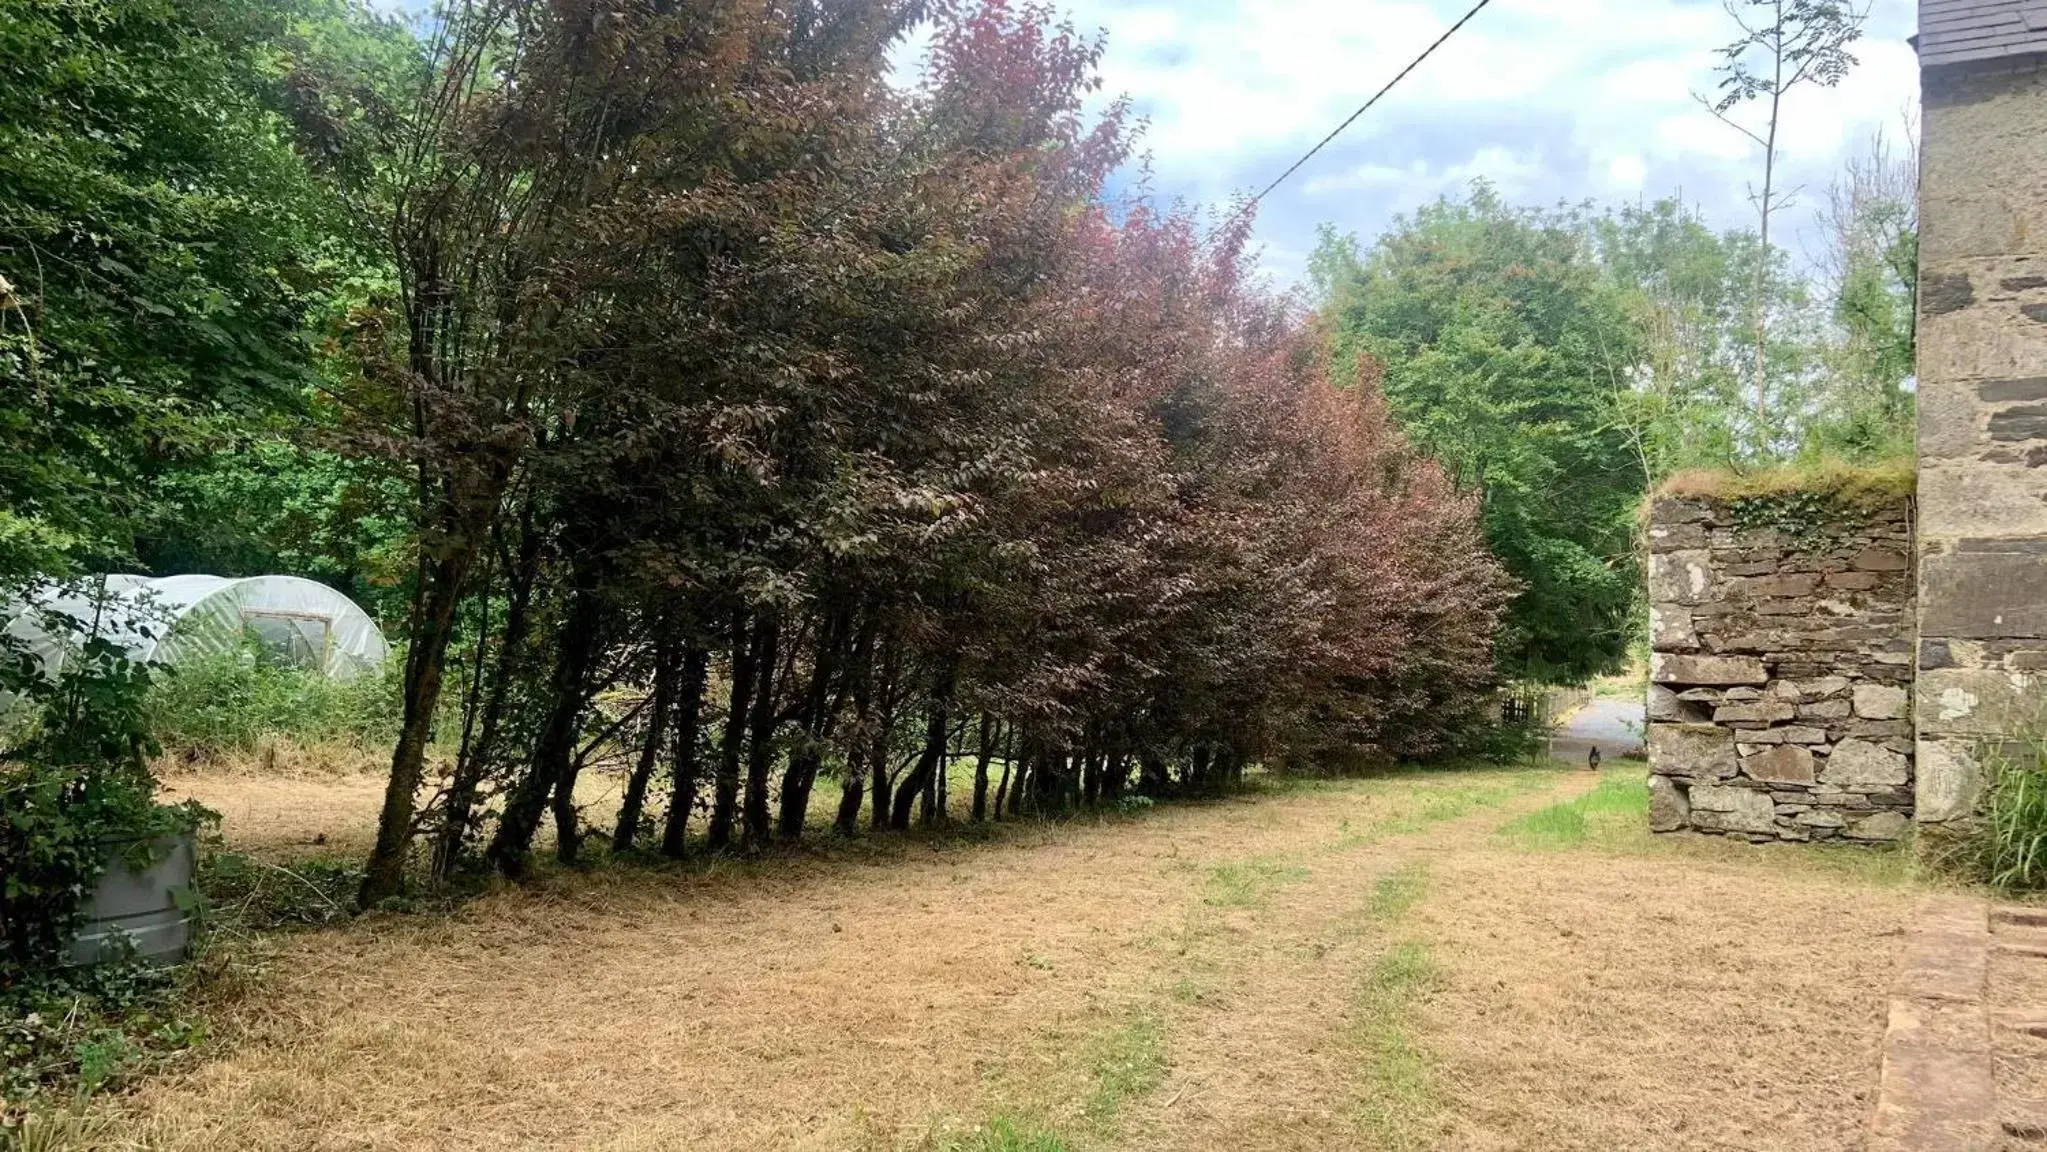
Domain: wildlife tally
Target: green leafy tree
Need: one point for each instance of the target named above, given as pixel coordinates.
(1870, 281)
(1504, 345)
(174, 213)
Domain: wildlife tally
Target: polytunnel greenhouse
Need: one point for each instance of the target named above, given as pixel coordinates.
(171, 620)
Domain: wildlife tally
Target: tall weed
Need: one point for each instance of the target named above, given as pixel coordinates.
(2012, 845)
(235, 701)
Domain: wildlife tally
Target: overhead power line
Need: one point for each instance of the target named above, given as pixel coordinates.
(1367, 106)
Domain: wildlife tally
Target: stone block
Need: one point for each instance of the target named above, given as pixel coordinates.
(1759, 713)
(1721, 671)
(1984, 595)
(1771, 587)
(1949, 783)
(1671, 630)
(1679, 577)
(1667, 511)
(1701, 751)
(1785, 764)
(1677, 537)
(1881, 702)
(1825, 710)
(1821, 818)
(1799, 734)
(1882, 559)
(1822, 688)
(1669, 808)
(1977, 702)
(1880, 826)
(1975, 500)
(1723, 809)
(1950, 419)
(1664, 705)
(1856, 762)
(1994, 339)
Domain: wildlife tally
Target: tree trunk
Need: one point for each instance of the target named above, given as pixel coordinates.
(818, 709)
(854, 789)
(634, 803)
(689, 708)
(1154, 778)
(884, 743)
(1008, 763)
(440, 594)
(937, 726)
(982, 755)
(511, 847)
(477, 759)
(1767, 209)
(725, 790)
(760, 755)
(1017, 788)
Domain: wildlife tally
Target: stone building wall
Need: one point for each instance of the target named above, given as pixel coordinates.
(1982, 421)
(1782, 668)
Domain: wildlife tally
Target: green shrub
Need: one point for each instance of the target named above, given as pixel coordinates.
(1506, 742)
(234, 701)
(75, 786)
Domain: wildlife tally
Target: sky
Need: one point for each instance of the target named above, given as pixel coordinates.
(1549, 100)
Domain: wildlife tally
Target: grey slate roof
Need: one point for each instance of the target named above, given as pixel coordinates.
(1967, 31)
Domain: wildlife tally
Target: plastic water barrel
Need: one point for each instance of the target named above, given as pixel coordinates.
(140, 908)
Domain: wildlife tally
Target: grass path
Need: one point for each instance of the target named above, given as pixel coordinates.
(1467, 960)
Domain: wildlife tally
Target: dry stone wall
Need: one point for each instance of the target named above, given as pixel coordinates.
(1780, 706)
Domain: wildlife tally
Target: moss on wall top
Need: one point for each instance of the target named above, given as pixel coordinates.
(1858, 485)
(1811, 505)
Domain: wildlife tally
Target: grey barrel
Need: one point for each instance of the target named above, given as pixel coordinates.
(140, 907)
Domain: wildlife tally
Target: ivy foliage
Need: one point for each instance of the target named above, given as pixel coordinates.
(1812, 521)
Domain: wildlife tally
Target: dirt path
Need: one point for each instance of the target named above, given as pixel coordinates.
(1352, 966)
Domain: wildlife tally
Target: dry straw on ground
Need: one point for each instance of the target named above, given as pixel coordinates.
(1194, 979)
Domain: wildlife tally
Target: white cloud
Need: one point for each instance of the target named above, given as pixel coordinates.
(1549, 99)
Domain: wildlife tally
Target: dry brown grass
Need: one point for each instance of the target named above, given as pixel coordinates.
(1618, 1001)
(1189, 980)
(286, 816)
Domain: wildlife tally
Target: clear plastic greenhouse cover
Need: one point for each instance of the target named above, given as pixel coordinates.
(173, 619)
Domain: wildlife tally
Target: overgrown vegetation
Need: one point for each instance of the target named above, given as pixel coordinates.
(2007, 846)
(75, 780)
(235, 702)
(1561, 363)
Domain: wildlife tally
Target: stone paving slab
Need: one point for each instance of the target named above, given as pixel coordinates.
(1938, 1090)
